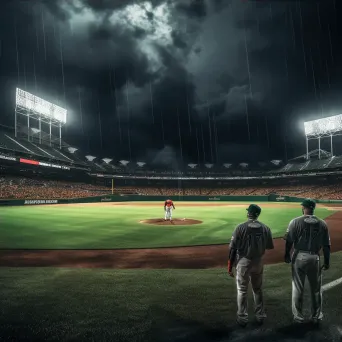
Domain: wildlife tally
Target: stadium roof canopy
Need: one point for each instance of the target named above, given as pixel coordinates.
(318, 153)
(34, 133)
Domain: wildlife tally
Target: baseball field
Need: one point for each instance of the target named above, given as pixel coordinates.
(125, 225)
(103, 272)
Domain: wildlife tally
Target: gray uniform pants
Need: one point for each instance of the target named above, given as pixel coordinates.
(249, 271)
(306, 265)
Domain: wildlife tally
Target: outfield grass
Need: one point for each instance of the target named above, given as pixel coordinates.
(96, 227)
(142, 305)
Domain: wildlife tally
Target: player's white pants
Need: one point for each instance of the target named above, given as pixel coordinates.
(168, 213)
(249, 271)
(306, 265)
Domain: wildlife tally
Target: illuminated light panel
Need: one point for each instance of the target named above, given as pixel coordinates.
(39, 106)
(27, 161)
(34, 162)
(54, 166)
(7, 158)
(326, 126)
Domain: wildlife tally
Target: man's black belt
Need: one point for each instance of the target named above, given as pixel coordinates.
(307, 252)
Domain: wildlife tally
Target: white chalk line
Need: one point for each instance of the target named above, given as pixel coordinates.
(332, 284)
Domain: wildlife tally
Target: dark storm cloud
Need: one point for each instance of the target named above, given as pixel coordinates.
(54, 7)
(240, 76)
(104, 5)
(243, 152)
(268, 57)
(192, 8)
(102, 43)
(167, 156)
(178, 40)
(110, 5)
(187, 57)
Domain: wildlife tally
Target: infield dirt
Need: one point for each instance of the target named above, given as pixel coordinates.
(174, 222)
(196, 257)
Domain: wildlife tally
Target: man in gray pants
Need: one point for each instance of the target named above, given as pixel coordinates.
(247, 246)
(308, 234)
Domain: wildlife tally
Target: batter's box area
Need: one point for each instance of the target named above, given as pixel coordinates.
(173, 222)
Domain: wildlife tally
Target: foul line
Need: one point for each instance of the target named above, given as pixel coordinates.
(332, 284)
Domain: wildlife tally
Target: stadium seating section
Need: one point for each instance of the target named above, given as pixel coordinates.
(311, 191)
(39, 148)
(28, 188)
(320, 164)
(33, 188)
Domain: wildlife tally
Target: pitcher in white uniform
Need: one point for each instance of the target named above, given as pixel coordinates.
(168, 207)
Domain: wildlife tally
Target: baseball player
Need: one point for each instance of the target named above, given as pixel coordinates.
(168, 207)
(247, 247)
(308, 235)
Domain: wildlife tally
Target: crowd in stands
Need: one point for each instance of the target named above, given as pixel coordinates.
(28, 188)
(143, 191)
(305, 191)
(333, 192)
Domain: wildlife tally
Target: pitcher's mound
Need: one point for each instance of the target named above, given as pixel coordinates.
(174, 222)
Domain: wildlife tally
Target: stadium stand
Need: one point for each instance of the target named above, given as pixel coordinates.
(333, 191)
(30, 143)
(38, 186)
(311, 165)
(34, 149)
(10, 144)
(28, 188)
(36, 145)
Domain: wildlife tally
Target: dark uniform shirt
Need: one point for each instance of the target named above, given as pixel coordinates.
(251, 239)
(308, 233)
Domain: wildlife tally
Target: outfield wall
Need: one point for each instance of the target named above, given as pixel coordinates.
(138, 198)
(133, 198)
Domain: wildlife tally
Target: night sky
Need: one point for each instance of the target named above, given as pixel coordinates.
(206, 81)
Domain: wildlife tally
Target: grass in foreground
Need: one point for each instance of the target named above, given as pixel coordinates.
(94, 227)
(139, 305)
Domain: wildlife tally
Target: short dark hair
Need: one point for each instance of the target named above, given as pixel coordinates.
(309, 204)
(254, 210)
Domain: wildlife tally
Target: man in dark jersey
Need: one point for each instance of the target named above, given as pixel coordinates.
(247, 247)
(308, 235)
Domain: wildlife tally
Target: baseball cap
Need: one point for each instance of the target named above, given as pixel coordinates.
(309, 203)
(254, 209)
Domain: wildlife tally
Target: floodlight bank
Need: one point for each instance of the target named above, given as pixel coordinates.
(35, 108)
(322, 128)
(40, 106)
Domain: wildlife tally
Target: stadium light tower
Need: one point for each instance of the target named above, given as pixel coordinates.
(34, 107)
(322, 128)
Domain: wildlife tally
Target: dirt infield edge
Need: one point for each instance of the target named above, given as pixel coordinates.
(173, 222)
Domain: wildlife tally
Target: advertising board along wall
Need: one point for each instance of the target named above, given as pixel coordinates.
(137, 198)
